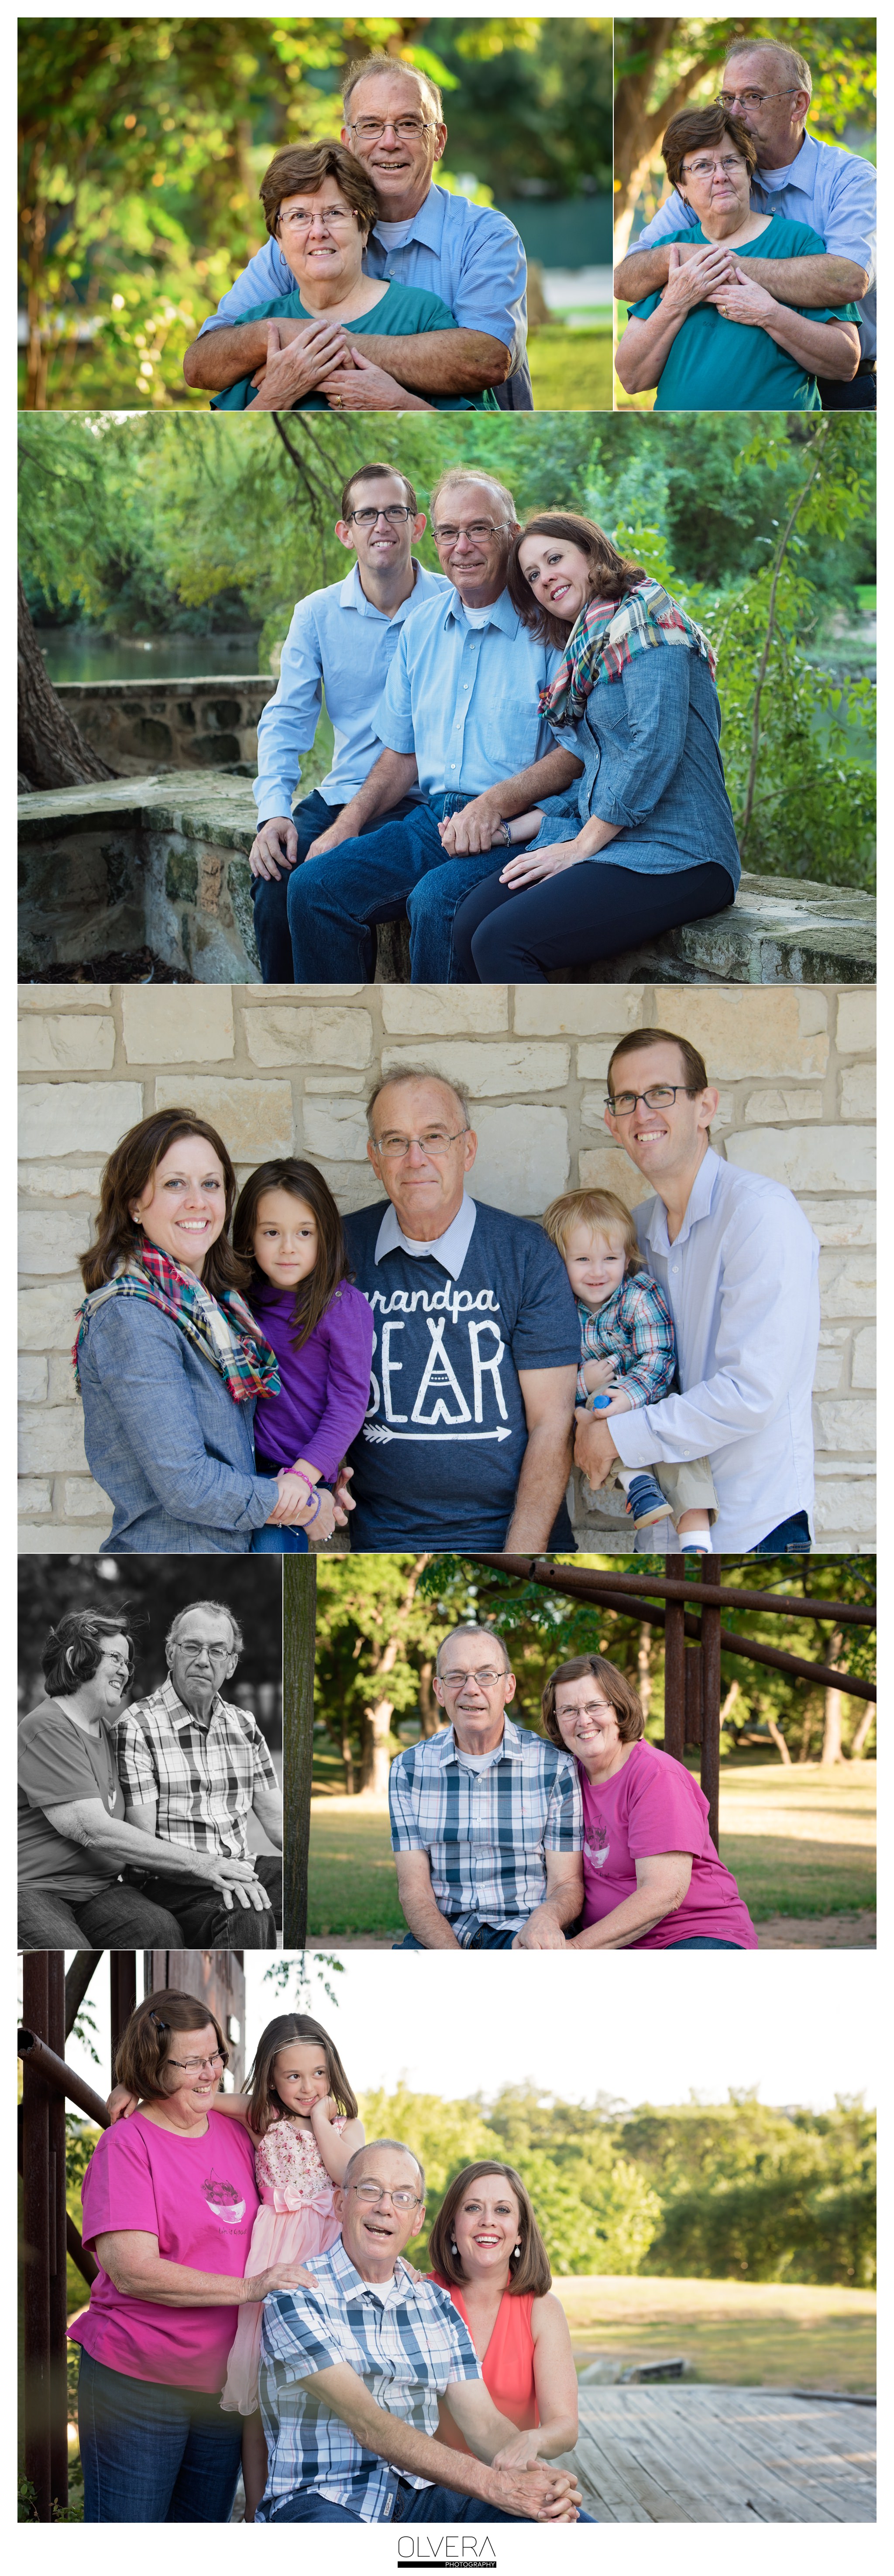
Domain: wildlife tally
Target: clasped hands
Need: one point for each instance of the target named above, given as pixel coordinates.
(319, 357)
(713, 276)
(294, 1508)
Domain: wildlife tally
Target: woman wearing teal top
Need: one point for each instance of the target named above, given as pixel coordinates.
(320, 205)
(715, 340)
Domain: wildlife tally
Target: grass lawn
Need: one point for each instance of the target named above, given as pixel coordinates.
(571, 370)
(772, 2335)
(799, 1842)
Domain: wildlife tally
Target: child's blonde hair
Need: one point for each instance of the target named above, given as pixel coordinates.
(599, 1209)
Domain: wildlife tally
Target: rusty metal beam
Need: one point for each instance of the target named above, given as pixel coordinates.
(710, 1664)
(57, 2214)
(824, 1676)
(82, 2261)
(83, 1969)
(573, 1578)
(674, 1674)
(123, 1995)
(42, 2061)
(35, 2232)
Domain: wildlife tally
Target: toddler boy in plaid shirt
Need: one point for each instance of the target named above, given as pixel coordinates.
(628, 1352)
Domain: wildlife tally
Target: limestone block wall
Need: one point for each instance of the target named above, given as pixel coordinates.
(280, 1070)
(143, 725)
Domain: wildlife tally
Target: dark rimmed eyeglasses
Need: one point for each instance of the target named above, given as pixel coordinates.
(661, 1096)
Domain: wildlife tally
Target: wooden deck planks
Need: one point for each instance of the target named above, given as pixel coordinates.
(719, 2454)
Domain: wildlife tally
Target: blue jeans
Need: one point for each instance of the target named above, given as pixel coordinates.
(334, 901)
(153, 2454)
(270, 894)
(704, 1944)
(273, 1541)
(790, 1538)
(489, 1936)
(411, 2504)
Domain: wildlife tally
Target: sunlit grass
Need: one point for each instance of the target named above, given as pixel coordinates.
(571, 370)
(766, 2335)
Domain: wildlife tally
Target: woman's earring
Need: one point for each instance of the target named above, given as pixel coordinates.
(453, 2245)
(518, 2249)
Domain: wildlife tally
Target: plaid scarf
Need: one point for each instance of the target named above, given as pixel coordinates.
(606, 636)
(225, 1333)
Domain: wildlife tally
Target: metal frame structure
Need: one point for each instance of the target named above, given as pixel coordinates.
(692, 1670)
(51, 2003)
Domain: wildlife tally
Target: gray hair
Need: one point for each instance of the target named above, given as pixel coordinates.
(473, 1628)
(416, 1073)
(791, 65)
(395, 2146)
(225, 1613)
(473, 474)
(377, 66)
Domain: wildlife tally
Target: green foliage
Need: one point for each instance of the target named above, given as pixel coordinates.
(697, 2190)
(144, 141)
(151, 524)
(840, 51)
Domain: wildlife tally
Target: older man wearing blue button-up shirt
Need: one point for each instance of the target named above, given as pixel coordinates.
(469, 255)
(769, 88)
(738, 1264)
(460, 719)
(326, 650)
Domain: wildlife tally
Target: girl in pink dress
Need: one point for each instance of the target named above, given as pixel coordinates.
(302, 2117)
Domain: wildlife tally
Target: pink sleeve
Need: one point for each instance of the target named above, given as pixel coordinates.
(118, 2189)
(666, 1812)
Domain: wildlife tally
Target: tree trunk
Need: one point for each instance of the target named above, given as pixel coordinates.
(299, 1640)
(347, 1755)
(638, 129)
(862, 1731)
(806, 1735)
(376, 1755)
(52, 753)
(776, 1735)
(831, 1751)
(430, 1711)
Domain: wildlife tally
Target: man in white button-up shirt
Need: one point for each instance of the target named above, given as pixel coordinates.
(738, 1263)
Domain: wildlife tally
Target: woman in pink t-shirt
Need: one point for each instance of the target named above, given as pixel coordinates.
(652, 1877)
(169, 2204)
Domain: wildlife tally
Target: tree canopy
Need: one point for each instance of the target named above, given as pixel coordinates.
(380, 1620)
(151, 522)
(144, 141)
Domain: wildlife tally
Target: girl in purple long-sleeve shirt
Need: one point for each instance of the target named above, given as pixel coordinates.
(319, 1326)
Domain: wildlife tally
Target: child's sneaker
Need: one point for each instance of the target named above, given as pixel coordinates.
(646, 1501)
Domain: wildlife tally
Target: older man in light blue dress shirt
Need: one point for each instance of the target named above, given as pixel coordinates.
(426, 237)
(769, 87)
(328, 650)
(460, 718)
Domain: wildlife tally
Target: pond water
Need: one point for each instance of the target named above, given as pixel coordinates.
(72, 654)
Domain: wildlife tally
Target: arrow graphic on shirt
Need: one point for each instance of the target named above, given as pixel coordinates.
(377, 1431)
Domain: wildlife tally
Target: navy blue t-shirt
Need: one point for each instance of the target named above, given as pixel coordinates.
(438, 1459)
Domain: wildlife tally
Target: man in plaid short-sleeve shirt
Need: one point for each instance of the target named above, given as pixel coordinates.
(353, 2363)
(193, 1767)
(486, 1818)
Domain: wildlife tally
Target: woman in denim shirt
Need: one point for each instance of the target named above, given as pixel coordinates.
(169, 1360)
(635, 699)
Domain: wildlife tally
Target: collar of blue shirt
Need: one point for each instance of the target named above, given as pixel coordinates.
(500, 612)
(351, 594)
(699, 1204)
(799, 173)
(512, 1748)
(449, 1249)
(428, 223)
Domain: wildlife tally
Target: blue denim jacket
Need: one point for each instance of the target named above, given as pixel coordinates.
(165, 1439)
(650, 744)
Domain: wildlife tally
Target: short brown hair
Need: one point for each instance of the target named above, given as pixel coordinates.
(612, 575)
(128, 1172)
(599, 1209)
(617, 1688)
(373, 474)
(313, 1295)
(697, 125)
(306, 166)
(528, 2271)
(75, 1647)
(145, 2044)
(293, 2030)
(694, 1068)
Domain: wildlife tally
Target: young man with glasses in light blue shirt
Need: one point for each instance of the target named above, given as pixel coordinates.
(768, 87)
(426, 237)
(328, 650)
(460, 719)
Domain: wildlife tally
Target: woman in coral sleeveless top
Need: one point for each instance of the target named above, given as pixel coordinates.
(487, 2250)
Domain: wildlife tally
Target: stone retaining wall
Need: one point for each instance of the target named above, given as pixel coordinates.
(166, 862)
(279, 1071)
(144, 725)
